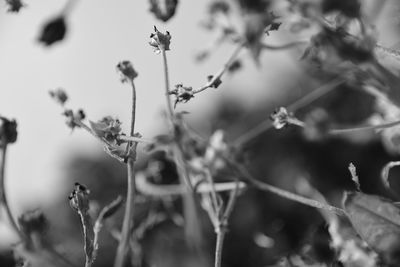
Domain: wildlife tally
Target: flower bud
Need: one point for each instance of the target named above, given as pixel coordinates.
(8, 131)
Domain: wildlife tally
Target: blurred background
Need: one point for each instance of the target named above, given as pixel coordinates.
(48, 158)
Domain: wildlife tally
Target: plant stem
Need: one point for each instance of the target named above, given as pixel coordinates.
(219, 245)
(305, 100)
(3, 197)
(127, 224)
(283, 193)
(221, 72)
(370, 127)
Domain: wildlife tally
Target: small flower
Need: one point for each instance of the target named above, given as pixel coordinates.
(59, 95)
(14, 5)
(33, 222)
(160, 41)
(281, 118)
(108, 128)
(127, 71)
(163, 9)
(8, 131)
(214, 82)
(79, 198)
(183, 94)
(216, 150)
(72, 117)
(53, 31)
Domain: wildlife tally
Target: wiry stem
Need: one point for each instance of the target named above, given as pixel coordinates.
(222, 226)
(221, 72)
(3, 197)
(127, 224)
(283, 193)
(219, 245)
(304, 101)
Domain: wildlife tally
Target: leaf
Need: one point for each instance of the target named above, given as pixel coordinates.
(377, 221)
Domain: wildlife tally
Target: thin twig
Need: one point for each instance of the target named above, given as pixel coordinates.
(304, 101)
(3, 199)
(127, 224)
(370, 127)
(221, 72)
(283, 193)
(219, 245)
(222, 226)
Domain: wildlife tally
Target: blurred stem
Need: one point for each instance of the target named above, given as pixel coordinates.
(127, 224)
(223, 222)
(192, 228)
(370, 127)
(3, 199)
(219, 245)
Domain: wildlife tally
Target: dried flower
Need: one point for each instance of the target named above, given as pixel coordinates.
(59, 95)
(163, 9)
(216, 150)
(160, 41)
(53, 31)
(33, 222)
(73, 117)
(219, 6)
(8, 131)
(128, 73)
(108, 128)
(215, 82)
(14, 5)
(281, 118)
(79, 198)
(183, 94)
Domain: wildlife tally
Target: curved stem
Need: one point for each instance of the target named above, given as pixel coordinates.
(221, 72)
(127, 224)
(284, 46)
(3, 199)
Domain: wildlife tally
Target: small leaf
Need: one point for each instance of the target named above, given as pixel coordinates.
(377, 221)
(385, 172)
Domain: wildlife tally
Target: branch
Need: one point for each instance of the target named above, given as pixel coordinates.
(304, 101)
(217, 77)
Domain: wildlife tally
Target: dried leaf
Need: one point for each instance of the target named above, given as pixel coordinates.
(377, 221)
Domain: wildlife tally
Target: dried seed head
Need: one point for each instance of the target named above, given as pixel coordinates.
(126, 71)
(79, 198)
(53, 31)
(59, 95)
(8, 131)
(160, 41)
